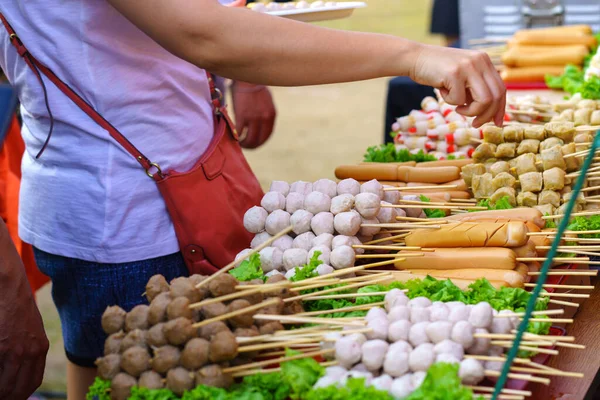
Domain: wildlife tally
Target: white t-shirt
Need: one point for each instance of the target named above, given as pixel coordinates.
(86, 197)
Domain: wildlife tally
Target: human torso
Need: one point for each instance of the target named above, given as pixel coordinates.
(86, 197)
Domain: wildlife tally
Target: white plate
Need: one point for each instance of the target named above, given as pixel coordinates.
(340, 10)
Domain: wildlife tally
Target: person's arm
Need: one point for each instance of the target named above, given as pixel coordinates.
(245, 45)
(23, 342)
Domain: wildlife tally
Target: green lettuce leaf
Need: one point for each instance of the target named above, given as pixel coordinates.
(301, 374)
(386, 153)
(308, 270)
(585, 224)
(100, 390)
(355, 389)
(442, 383)
(249, 269)
(431, 213)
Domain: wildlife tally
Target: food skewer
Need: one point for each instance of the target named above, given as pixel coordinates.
(336, 289)
(241, 311)
(394, 189)
(564, 303)
(520, 377)
(362, 307)
(276, 361)
(551, 286)
(290, 319)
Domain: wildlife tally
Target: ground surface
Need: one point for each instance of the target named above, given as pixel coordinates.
(317, 129)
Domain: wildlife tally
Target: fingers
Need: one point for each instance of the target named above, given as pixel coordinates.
(9, 370)
(252, 139)
(29, 378)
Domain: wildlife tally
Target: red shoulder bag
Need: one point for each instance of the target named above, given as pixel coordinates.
(206, 203)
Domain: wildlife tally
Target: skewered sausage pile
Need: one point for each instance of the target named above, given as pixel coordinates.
(409, 336)
(157, 346)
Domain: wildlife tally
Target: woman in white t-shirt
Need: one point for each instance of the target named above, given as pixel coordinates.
(98, 229)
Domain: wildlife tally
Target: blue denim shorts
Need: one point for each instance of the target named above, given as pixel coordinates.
(82, 290)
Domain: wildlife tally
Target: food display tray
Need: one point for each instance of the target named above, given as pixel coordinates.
(339, 11)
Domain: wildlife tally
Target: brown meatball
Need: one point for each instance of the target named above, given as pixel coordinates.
(208, 331)
(270, 328)
(241, 360)
(276, 279)
(136, 337)
(151, 380)
(157, 312)
(135, 360)
(293, 307)
(203, 291)
(213, 310)
(179, 307)
(275, 309)
(156, 335)
(165, 358)
(243, 320)
(212, 375)
(113, 319)
(137, 318)
(120, 386)
(246, 332)
(222, 285)
(223, 347)
(179, 331)
(183, 287)
(109, 366)
(179, 380)
(195, 354)
(155, 286)
(112, 345)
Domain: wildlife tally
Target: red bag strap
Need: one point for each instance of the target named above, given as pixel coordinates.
(36, 67)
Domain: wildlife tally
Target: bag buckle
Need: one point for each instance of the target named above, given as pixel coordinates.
(158, 170)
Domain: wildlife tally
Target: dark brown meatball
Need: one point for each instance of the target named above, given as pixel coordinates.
(254, 298)
(246, 332)
(120, 386)
(155, 286)
(156, 336)
(151, 380)
(137, 318)
(137, 337)
(195, 354)
(213, 310)
(208, 331)
(240, 360)
(179, 307)
(179, 380)
(275, 309)
(257, 281)
(165, 358)
(112, 345)
(113, 319)
(293, 307)
(212, 375)
(270, 328)
(243, 320)
(108, 366)
(223, 347)
(135, 360)
(222, 285)
(203, 291)
(183, 287)
(157, 312)
(276, 279)
(179, 331)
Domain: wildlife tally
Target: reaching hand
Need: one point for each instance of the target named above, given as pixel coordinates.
(23, 343)
(254, 113)
(465, 78)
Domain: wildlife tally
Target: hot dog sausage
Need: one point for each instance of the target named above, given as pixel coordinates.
(463, 258)
(471, 234)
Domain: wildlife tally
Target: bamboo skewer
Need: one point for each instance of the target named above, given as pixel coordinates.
(573, 295)
(397, 255)
(387, 239)
(501, 336)
(234, 263)
(550, 286)
(521, 314)
(290, 319)
(347, 271)
(452, 207)
(274, 345)
(362, 278)
(533, 349)
(343, 309)
(235, 295)
(399, 225)
(497, 358)
(393, 189)
(276, 361)
(506, 391)
(241, 311)
(553, 233)
(520, 377)
(564, 303)
(337, 289)
(566, 272)
(345, 296)
(545, 372)
(385, 247)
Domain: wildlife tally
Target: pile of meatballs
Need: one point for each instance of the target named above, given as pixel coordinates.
(157, 346)
(326, 216)
(409, 336)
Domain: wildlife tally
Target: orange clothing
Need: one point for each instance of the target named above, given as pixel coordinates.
(11, 153)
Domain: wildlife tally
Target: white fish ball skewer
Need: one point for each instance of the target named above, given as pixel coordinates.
(277, 221)
(395, 298)
(271, 258)
(347, 223)
(439, 331)
(259, 239)
(272, 201)
(402, 387)
(450, 347)
(304, 241)
(471, 372)
(316, 202)
(348, 351)
(367, 204)
(300, 221)
(325, 186)
(342, 257)
(462, 333)
(254, 219)
(322, 223)
(421, 358)
(348, 186)
(294, 202)
(324, 239)
(281, 187)
(399, 330)
(399, 313)
(301, 187)
(481, 315)
(342, 203)
(324, 257)
(294, 258)
(372, 186)
(373, 354)
(418, 334)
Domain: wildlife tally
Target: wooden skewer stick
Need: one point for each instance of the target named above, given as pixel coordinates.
(385, 247)
(276, 286)
(545, 372)
(387, 239)
(393, 189)
(345, 296)
(564, 303)
(433, 221)
(413, 219)
(553, 233)
(566, 272)
(488, 389)
(259, 364)
(399, 225)
(587, 128)
(290, 319)
(520, 377)
(540, 343)
(361, 278)
(241, 311)
(321, 335)
(501, 396)
(336, 289)
(274, 345)
(433, 203)
(521, 314)
(235, 295)
(343, 309)
(573, 295)
(301, 331)
(497, 358)
(234, 263)
(583, 253)
(279, 353)
(501, 336)
(533, 349)
(566, 249)
(347, 271)
(577, 214)
(368, 256)
(550, 286)
(562, 259)
(452, 207)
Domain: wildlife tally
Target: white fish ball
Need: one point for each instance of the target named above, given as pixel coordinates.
(369, 230)
(450, 347)
(367, 204)
(454, 304)
(419, 314)
(399, 330)
(462, 333)
(325, 381)
(418, 334)
(481, 315)
(480, 346)
(342, 257)
(394, 298)
(379, 328)
(422, 302)
(324, 239)
(294, 258)
(401, 346)
(270, 258)
(301, 187)
(291, 273)
(348, 351)
(494, 365)
(471, 371)
(439, 331)
(348, 186)
(336, 372)
(383, 382)
(272, 201)
(360, 367)
(367, 376)
(328, 342)
(325, 186)
(386, 215)
(392, 196)
(417, 379)
(324, 257)
(513, 320)
(322, 223)
(300, 221)
(347, 223)
(421, 358)
(459, 313)
(501, 325)
(304, 241)
(359, 337)
(447, 358)
(375, 313)
(341, 240)
(254, 219)
(439, 312)
(281, 187)
(242, 255)
(399, 313)
(294, 202)
(277, 221)
(373, 354)
(396, 362)
(284, 243)
(316, 202)
(273, 273)
(324, 269)
(342, 203)
(372, 186)
(400, 212)
(402, 387)
(356, 241)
